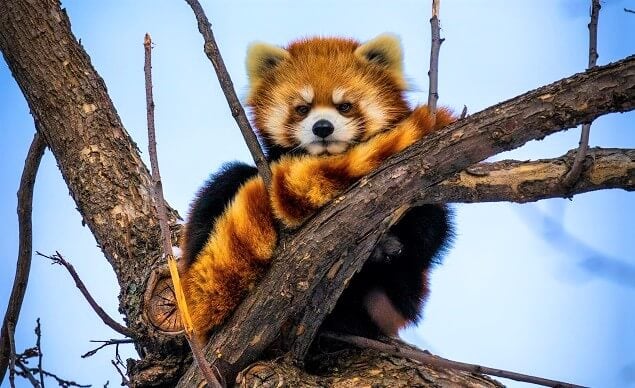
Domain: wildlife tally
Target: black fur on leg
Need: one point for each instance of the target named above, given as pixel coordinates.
(399, 268)
(209, 204)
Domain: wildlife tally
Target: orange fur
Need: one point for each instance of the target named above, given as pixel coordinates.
(244, 237)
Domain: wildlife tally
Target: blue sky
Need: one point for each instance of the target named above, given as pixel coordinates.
(515, 292)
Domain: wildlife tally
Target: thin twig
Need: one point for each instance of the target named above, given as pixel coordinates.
(64, 383)
(212, 52)
(20, 364)
(124, 380)
(629, 10)
(38, 342)
(166, 240)
(433, 73)
(27, 373)
(11, 344)
(463, 113)
(402, 350)
(23, 265)
(57, 258)
(109, 342)
(578, 163)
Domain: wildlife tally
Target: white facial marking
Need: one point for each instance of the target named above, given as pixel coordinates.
(338, 96)
(275, 123)
(307, 94)
(344, 131)
(376, 118)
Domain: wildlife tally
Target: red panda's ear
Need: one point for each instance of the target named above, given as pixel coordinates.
(262, 58)
(385, 51)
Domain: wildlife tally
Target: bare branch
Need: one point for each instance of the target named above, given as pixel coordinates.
(57, 258)
(163, 221)
(10, 341)
(574, 173)
(529, 181)
(463, 113)
(399, 349)
(38, 345)
(109, 342)
(25, 249)
(124, 380)
(433, 73)
(25, 372)
(628, 10)
(20, 365)
(212, 52)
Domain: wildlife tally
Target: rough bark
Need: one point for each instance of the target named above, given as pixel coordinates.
(349, 368)
(529, 181)
(111, 186)
(98, 160)
(308, 274)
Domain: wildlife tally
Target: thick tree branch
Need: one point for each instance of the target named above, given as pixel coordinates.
(400, 349)
(529, 181)
(25, 248)
(314, 271)
(352, 367)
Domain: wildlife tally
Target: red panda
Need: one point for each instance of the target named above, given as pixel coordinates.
(328, 111)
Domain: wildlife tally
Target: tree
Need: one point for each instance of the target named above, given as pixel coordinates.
(110, 169)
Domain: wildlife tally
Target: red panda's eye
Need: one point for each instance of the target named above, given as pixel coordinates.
(302, 109)
(344, 107)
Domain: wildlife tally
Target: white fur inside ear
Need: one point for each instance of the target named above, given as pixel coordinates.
(262, 58)
(384, 50)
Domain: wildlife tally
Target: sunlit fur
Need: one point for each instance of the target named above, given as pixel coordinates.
(242, 241)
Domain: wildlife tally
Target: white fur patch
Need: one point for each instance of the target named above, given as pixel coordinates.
(275, 124)
(307, 93)
(338, 95)
(375, 115)
(343, 133)
(383, 312)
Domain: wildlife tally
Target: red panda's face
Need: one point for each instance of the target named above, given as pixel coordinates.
(322, 95)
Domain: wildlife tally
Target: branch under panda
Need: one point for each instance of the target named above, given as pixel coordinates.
(312, 265)
(398, 348)
(509, 181)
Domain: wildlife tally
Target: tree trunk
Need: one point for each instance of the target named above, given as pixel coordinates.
(98, 160)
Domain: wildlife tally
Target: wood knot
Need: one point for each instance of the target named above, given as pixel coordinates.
(159, 303)
(260, 375)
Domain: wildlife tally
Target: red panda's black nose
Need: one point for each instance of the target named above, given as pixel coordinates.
(323, 128)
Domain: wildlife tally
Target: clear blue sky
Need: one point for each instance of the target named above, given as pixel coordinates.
(514, 292)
